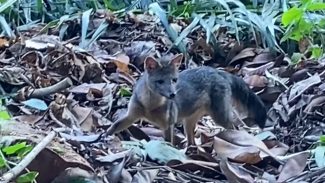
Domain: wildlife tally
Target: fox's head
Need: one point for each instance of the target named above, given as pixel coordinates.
(162, 74)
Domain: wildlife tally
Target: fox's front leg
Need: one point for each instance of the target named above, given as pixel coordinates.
(173, 115)
(122, 124)
(169, 134)
(133, 114)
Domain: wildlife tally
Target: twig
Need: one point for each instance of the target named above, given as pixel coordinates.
(8, 176)
(41, 92)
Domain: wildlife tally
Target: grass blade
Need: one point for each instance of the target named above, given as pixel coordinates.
(5, 26)
(154, 7)
(84, 28)
(6, 5)
(99, 31)
(186, 31)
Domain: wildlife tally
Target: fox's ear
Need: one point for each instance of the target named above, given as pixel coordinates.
(150, 63)
(177, 60)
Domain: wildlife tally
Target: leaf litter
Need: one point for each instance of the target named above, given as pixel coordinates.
(57, 81)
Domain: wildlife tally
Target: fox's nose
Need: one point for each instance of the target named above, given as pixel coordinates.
(172, 95)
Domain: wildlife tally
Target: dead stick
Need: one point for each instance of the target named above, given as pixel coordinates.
(8, 176)
(41, 92)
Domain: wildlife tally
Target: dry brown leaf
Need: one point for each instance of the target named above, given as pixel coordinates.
(234, 174)
(122, 62)
(244, 54)
(301, 86)
(242, 138)
(264, 57)
(85, 117)
(294, 166)
(256, 81)
(194, 166)
(242, 154)
(320, 100)
(85, 87)
(145, 176)
(4, 42)
(257, 70)
(113, 157)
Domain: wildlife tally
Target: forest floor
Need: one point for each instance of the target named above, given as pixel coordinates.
(77, 90)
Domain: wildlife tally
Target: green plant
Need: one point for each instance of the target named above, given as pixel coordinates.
(12, 153)
(305, 21)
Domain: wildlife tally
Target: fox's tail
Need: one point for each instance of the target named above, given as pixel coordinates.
(248, 99)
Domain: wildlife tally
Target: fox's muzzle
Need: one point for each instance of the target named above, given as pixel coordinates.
(172, 95)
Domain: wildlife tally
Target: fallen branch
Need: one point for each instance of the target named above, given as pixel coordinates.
(8, 176)
(41, 92)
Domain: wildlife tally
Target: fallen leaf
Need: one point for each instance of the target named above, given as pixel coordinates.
(241, 154)
(113, 157)
(242, 138)
(320, 156)
(256, 81)
(36, 104)
(145, 176)
(294, 166)
(81, 138)
(300, 87)
(122, 62)
(233, 173)
(162, 152)
(244, 54)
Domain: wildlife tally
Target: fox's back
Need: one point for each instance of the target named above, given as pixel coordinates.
(195, 87)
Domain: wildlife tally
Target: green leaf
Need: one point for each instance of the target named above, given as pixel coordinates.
(48, 26)
(114, 4)
(322, 138)
(13, 148)
(187, 31)
(125, 92)
(320, 156)
(296, 57)
(22, 152)
(317, 52)
(39, 6)
(4, 115)
(6, 5)
(2, 162)
(27, 177)
(84, 28)
(99, 31)
(173, 4)
(292, 15)
(5, 26)
(154, 7)
(316, 6)
(225, 5)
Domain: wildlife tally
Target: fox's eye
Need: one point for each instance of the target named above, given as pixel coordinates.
(160, 81)
(174, 80)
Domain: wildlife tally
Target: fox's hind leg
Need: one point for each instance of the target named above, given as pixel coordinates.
(189, 126)
(222, 112)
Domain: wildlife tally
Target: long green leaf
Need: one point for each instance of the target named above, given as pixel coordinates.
(6, 5)
(316, 6)
(84, 28)
(154, 7)
(5, 26)
(99, 31)
(186, 31)
(232, 17)
(213, 39)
